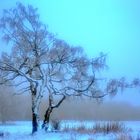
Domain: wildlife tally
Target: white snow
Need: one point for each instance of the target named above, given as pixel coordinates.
(22, 131)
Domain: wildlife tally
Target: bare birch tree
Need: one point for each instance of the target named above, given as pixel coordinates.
(71, 73)
(76, 75)
(29, 40)
(39, 63)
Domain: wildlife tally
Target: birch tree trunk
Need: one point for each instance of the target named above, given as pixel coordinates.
(36, 99)
(37, 94)
(46, 121)
(48, 112)
(35, 117)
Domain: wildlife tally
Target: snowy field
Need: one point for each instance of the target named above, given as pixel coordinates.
(22, 131)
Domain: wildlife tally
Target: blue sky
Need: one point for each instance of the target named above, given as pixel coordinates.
(110, 26)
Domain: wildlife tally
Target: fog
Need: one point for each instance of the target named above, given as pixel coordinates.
(18, 107)
(91, 110)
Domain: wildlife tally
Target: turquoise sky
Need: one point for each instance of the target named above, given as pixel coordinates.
(110, 26)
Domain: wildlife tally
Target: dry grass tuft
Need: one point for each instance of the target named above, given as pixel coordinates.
(124, 137)
(56, 124)
(109, 127)
(99, 127)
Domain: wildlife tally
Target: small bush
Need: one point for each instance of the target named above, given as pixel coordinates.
(71, 137)
(127, 136)
(56, 124)
(124, 137)
(90, 139)
(100, 127)
(109, 127)
(80, 129)
(1, 134)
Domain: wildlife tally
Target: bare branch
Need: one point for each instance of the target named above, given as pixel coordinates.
(59, 103)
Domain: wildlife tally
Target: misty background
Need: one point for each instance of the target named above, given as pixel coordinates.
(107, 25)
(18, 107)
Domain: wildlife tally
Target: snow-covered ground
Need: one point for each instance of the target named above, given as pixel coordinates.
(22, 131)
